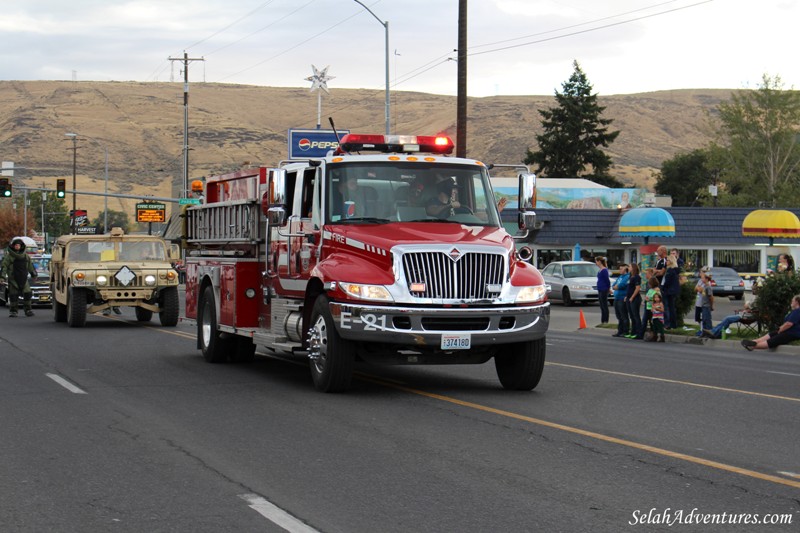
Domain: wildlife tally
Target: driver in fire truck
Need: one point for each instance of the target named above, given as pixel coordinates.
(445, 203)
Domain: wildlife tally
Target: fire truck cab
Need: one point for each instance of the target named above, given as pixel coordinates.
(387, 250)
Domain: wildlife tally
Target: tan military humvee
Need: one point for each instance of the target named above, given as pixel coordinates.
(92, 273)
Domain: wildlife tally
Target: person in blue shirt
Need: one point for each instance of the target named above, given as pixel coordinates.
(789, 331)
(603, 286)
(620, 305)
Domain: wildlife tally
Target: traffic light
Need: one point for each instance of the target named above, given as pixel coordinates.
(5, 188)
(60, 186)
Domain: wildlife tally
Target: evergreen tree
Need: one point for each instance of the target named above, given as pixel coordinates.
(574, 135)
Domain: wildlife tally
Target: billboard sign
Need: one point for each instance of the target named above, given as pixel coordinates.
(305, 144)
(151, 212)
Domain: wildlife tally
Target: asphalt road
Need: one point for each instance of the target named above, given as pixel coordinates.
(119, 427)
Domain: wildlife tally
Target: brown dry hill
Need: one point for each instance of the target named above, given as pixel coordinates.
(141, 126)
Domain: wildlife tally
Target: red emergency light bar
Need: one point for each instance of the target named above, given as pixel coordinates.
(355, 142)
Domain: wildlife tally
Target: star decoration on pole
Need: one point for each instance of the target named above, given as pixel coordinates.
(320, 79)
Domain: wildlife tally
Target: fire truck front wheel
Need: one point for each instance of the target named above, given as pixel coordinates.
(332, 357)
(519, 366)
(215, 348)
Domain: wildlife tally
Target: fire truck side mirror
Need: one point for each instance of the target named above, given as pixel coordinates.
(273, 205)
(527, 201)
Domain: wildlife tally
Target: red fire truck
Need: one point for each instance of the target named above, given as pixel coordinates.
(387, 250)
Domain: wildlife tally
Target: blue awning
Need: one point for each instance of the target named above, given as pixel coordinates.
(647, 222)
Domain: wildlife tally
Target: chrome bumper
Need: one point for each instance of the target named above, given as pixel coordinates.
(414, 326)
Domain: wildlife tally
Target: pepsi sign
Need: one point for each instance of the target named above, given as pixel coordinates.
(304, 144)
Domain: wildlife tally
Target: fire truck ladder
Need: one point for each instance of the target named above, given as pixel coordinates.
(234, 222)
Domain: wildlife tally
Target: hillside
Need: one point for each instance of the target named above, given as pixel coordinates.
(141, 127)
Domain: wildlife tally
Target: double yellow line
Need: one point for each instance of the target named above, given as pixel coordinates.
(584, 433)
(607, 438)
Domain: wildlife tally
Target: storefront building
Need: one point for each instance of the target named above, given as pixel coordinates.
(703, 236)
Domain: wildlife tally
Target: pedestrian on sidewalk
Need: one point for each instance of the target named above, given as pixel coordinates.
(620, 305)
(789, 331)
(658, 318)
(704, 301)
(740, 315)
(603, 286)
(633, 298)
(671, 288)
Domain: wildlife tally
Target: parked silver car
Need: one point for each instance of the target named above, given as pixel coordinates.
(571, 281)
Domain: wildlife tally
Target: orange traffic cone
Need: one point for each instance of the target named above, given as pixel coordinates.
(582, 321)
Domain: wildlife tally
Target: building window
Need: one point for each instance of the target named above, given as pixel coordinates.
(693, 259)
(739, 260)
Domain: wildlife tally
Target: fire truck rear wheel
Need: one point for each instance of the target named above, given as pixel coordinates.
(143, 315)
(170, 307)
(332, 357)
(76, 307)
(215, 348)
(519, 366)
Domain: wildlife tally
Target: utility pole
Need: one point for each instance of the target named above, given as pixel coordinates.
(461, 99)
(186, 60)
(74, 137)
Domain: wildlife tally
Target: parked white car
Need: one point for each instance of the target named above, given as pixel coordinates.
(571, 281)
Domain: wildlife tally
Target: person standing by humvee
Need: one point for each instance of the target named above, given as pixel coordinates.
(16, 267)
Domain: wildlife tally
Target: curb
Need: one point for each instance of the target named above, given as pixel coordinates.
(690, 339)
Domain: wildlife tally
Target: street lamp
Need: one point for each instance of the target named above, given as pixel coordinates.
(386, 27)
(74, 137)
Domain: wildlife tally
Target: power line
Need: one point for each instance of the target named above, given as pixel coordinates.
(235, 22)
(590, 29)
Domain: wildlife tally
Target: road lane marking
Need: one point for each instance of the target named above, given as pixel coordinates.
(783, 373)
(276, 515)
(597, 436)
(678, 382)
(66, 384)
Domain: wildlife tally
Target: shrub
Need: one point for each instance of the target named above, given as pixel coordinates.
(685, 301)
(774, 299)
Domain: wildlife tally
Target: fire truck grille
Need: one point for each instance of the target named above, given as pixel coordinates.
(473, 276)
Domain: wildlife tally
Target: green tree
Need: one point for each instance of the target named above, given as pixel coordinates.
(574, 134)
(759, 132)
(685, 178)
(56, 213)
(116, 219)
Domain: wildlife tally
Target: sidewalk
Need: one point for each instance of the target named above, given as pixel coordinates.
(685, 339)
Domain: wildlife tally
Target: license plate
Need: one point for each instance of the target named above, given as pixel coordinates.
(457, 341)
(728, 287)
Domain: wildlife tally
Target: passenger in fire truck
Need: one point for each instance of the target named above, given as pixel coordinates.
(350, 200)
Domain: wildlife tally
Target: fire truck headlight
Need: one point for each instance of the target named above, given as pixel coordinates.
(366, 292)
(101, 280)
(149, 280)
(533, 293)
(250, 293)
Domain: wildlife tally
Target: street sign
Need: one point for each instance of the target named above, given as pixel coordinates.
(151, 212)
(189, 201)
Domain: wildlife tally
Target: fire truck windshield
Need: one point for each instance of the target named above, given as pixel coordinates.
(370, 192)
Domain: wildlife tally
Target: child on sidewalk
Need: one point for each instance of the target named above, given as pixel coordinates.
(652, 289)
(658, 318)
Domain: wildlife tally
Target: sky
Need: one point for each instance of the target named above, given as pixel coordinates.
(515, 47)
